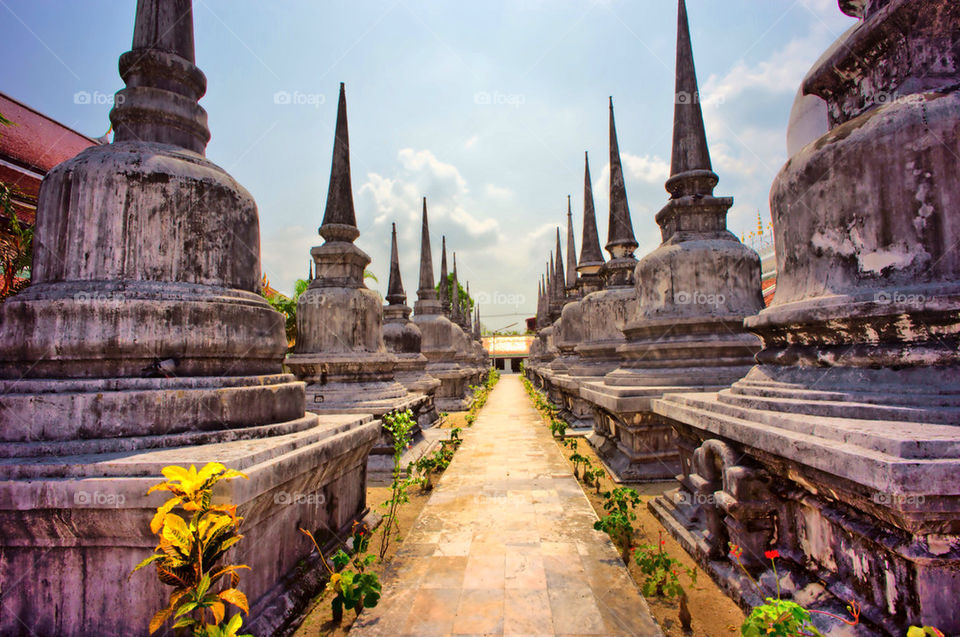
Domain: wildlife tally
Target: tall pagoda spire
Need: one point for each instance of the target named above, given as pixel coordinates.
(691, 172)
(444, 278)
(618, 271)
(551, 279)
(339, 218)
(620, 238)
(427, 302)
(591, 256)
(467, 314)
(571, 250)
(163, 83)
(395, 293)
(560, 274)
(426, 260)
(310, 274)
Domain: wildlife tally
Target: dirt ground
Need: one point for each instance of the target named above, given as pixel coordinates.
(714, 614)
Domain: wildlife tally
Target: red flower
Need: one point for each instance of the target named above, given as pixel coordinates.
(772, 554)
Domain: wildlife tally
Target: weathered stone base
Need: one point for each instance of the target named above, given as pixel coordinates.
(678, 516)
(419, 404)
(868, 507)
(643, 450)
(454, 392)
(72, 528)
(635, 444)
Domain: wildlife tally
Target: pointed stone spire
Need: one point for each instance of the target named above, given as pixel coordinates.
(621, 241)
(540, 302)
(591, 256)
(395, 293)
(339, 219)
(164, 85)
(571, 251)
(310, 275)
(467, 314)
(620, 238)
(427, 302)
(426, 290)
(551, 279)
(444, 280)
(691, 172)
(560, 273)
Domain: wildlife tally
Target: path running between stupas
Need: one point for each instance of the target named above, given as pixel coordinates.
(505, 545)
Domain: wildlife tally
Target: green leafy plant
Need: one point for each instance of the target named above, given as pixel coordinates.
(425, 467)
(15, 261)
(618, 521)
(926, 631)
(663, 577)
(399, 425)
(354, 589)
(597, 477)
(578, 461)
(189, 551)
(558, 428)
(780, 617)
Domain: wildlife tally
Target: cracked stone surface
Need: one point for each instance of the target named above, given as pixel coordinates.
(506, 546)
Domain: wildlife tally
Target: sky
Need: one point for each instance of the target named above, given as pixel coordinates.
(484, 107)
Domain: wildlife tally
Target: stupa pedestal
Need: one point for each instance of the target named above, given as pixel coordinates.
(142, 342)
(841, 447)
(692, 292)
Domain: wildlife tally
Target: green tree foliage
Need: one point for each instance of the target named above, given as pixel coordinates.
(463, 293)
(288, 307)
(17, 254)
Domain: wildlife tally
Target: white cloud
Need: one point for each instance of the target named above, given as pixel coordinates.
(648, 169)
(496, 192)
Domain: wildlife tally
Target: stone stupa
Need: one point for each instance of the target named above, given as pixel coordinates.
(841, 446)
(403, 339)
(693, 293)
(575, 410)
(439, 343)
(340, 352)
(606, 311)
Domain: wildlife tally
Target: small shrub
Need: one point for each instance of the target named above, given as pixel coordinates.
(354, 589)
(662, 571)
(399, 425)
(188, 555)
(618, 522)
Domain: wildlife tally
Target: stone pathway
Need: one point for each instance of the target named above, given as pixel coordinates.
(506, 546)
